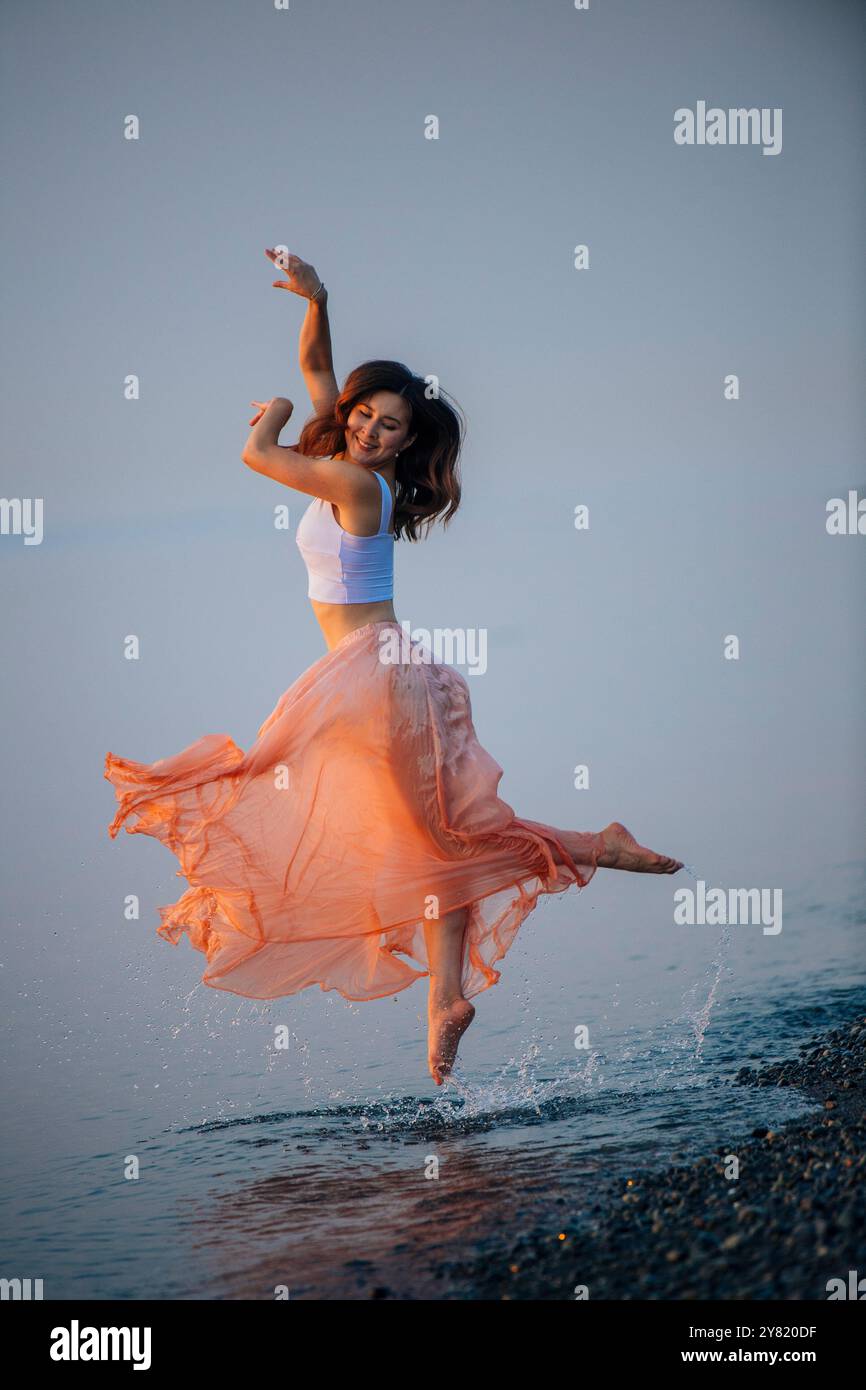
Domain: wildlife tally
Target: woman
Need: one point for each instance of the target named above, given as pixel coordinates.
(363, 827)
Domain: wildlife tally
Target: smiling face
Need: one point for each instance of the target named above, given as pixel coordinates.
(377, 428)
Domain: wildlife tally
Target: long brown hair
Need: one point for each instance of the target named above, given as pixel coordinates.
(427, 482)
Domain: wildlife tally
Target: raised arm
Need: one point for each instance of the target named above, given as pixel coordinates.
(314, 348)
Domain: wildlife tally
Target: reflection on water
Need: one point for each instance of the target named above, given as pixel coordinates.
(362, 1197)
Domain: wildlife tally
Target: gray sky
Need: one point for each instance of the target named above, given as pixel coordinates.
(604, 386)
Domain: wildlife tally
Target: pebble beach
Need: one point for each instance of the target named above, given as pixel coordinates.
(791, 1220)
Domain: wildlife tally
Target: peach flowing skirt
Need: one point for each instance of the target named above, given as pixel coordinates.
(365, 809)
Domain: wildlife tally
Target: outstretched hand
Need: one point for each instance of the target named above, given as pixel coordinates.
(301, 278)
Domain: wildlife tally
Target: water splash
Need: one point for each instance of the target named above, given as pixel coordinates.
(700, 1017)
(519, 1088)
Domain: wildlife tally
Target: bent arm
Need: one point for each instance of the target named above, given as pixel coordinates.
(315, 357)
(334, 480)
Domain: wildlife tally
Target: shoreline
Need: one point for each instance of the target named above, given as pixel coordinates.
(793, 1219)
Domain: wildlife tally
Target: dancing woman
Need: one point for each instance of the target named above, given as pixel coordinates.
(362, 830)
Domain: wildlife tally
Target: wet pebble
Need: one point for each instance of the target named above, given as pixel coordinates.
(788, 1224)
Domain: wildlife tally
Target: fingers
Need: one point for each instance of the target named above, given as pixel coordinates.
(283, 260)
(296, 268)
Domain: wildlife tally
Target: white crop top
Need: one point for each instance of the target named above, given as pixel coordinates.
(343, 568)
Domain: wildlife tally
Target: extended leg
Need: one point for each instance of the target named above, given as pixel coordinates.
(448, 1013)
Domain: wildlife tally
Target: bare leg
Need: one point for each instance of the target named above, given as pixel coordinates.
(619, 850)
(448, 1013)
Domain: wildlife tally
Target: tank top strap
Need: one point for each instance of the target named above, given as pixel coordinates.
(386, 506)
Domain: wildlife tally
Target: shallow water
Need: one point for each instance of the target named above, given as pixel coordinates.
(307, 1167)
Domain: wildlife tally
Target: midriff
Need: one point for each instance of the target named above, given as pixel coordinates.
(337, 620)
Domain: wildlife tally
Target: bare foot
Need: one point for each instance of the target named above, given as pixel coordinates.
(446, 1024)
(622, 851)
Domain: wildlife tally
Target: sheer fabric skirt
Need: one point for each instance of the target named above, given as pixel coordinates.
(365, 810)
